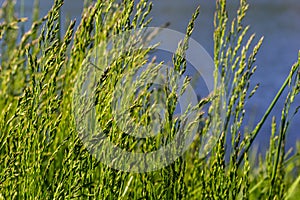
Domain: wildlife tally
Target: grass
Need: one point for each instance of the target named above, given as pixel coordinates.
(42, 155)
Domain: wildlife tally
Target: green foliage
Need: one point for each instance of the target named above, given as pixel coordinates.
(42, 156)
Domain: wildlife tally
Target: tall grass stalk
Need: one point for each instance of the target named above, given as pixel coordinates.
(43, 157)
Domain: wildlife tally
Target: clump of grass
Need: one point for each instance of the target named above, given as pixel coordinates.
(43, 157)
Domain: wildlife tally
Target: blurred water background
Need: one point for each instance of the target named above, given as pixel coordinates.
(277, 20)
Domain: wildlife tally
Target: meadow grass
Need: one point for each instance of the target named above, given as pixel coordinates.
(43, 157)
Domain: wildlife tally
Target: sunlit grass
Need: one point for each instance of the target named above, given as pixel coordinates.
(43, 157)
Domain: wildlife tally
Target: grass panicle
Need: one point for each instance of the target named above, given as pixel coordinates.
(42, 68)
